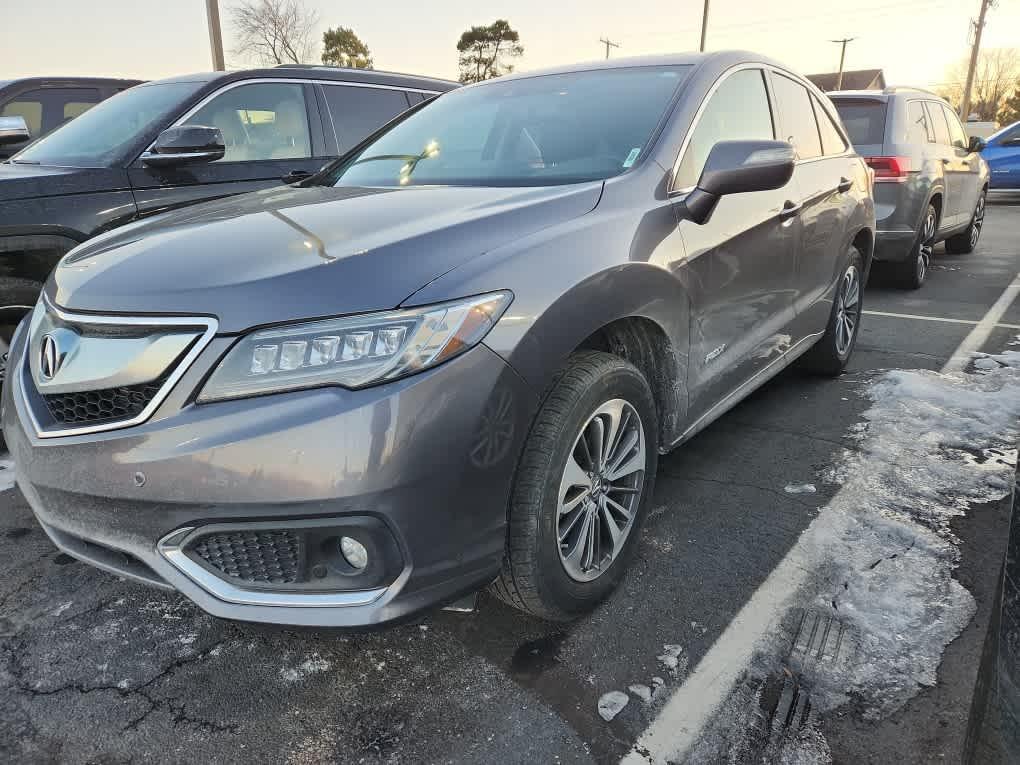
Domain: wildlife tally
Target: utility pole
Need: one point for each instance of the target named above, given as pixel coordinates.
(212, 10)
(704, 27)
(965, 106)
(842, 59)
(607, 42)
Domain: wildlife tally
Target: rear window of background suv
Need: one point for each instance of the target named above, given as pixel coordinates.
(864, 119)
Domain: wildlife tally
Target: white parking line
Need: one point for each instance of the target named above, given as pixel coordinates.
(683, 718)
(919, 317)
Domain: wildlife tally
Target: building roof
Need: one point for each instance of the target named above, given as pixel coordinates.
(859, 79)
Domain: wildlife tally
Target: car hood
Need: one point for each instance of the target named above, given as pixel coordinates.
(18, 181)
(299, 253)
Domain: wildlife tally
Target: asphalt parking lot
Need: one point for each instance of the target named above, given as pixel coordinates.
(99, 670)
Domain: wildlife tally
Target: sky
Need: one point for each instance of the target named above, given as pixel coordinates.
(914, 41)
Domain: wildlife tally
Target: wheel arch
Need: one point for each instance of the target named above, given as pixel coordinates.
(33, 252)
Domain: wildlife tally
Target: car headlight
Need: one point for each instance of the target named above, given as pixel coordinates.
(354, 351)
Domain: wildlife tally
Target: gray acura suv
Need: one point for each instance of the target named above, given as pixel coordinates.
(930, 179)
(452, 358)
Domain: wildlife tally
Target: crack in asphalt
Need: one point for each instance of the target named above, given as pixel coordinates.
(728, 482)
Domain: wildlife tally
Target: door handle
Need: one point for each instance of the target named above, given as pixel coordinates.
(966, 163)
(946, 161)
(790, 209)
(845, 184)
(295, 175)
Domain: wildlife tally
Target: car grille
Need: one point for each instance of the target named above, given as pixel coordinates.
(267, 557)
(99, 406)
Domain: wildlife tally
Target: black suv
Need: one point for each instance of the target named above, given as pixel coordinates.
(46, 103)
(133, 156)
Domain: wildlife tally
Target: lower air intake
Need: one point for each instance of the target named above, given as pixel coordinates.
(265, 557)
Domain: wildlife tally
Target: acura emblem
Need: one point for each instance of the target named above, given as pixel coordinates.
(50, 359)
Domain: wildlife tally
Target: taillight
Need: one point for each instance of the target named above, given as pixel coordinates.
(889, 169)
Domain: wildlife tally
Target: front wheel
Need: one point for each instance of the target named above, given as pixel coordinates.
(17, 296)
(831, 354)
(965, 242)
(581, 490)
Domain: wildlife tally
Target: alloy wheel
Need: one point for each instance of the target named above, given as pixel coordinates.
(848, 310)
(600, 490)
(979, 220)
(926, 247)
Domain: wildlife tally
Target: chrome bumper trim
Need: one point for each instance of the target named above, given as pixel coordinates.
(170, 547)
(210, 326)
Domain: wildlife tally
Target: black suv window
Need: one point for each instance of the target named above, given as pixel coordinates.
(938, 122)
(797, 117)
(259, 121)
(919, 126)
(863, 118)
(48, 108)
(358, 112)
(737, 111)
(832, 140)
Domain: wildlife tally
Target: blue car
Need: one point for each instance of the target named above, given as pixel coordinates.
(1002, 152)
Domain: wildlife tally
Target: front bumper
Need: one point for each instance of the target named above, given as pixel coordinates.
(429, 459)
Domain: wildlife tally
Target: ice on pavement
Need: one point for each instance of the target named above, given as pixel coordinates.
(612, 703)
(800, 488)
(672, 658)
(880, 556)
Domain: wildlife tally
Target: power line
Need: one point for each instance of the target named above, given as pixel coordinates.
(608, 43)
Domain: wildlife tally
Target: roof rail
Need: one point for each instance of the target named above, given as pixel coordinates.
(890, 90)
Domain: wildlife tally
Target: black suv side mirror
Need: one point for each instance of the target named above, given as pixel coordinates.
(976, 144)
(13, 130)
(186, 144)
(738, 167)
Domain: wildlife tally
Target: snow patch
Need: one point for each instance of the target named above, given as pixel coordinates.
(673, 659)
(311, 666)
(612, 703)
(800, 488)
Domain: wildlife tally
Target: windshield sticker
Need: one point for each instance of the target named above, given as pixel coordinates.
(632, 157)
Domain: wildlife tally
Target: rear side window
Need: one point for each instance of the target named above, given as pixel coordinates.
(359, 112)
(832, 140)
(939, 124)
(956, 131)
(864, 120)
(919, 126)
(737, 111)
(797, 117)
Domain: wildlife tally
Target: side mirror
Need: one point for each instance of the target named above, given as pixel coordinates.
(185, 145)
(738, 167)
(976, 144)
(13, 130)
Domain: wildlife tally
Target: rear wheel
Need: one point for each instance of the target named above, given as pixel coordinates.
(830, 355)
(965, 242)
(582, 489)
(914, 270)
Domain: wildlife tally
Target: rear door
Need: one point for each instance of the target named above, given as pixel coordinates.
(1003, 157)
(273, 133)
(740, 264)
(823, 178)
(952, 166)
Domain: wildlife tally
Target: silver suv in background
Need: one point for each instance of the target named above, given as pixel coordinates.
(930, 179)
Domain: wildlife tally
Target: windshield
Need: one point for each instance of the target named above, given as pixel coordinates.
(97, 137)
(538, 131)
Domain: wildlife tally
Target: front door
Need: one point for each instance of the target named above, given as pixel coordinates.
(969, 166)
(273, 135)
(740, 264)
(952, 167)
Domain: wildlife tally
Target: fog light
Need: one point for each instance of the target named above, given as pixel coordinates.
(354, 552)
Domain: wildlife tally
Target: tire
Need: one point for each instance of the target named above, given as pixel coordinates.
(536, 576)
(965, 242)
(17, 297)
(830, 355)
(911, 273)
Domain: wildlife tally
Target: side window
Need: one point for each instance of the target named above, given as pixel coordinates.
(919, 126)
(832, 140)
(358, 112)
(261, 121)
(46, 109)
(737, 111)
(939, 124)
(956, 132)
(797, 117)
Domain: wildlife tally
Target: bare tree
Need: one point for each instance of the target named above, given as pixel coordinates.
(275, 31)
(995, 78)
